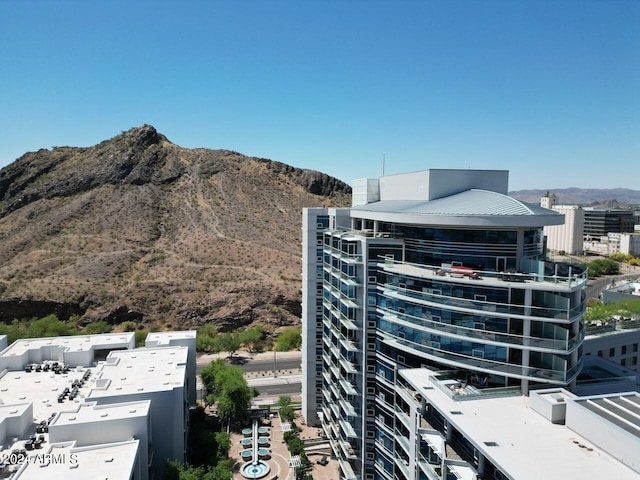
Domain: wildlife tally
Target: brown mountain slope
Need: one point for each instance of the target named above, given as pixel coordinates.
(139, 228)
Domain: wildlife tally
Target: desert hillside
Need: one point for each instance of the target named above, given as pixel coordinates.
(137, 228)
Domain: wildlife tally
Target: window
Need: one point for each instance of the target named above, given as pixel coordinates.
(634, 347)
(599, 353)
(623, 349)
(612, 351)
(623, 362)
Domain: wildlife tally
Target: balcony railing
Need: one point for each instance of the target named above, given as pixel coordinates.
(475, 306)
(486, 336)
(489, 366)
(573, 280)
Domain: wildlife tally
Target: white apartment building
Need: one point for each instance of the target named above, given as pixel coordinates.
(439, 269)
(91, 403)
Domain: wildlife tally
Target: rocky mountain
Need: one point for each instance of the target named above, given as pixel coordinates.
(610, 198)
(137, 228)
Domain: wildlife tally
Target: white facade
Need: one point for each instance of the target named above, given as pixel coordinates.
(627, 243)
(186, 338)
(569, 236)
(98, 398)
(550, 434)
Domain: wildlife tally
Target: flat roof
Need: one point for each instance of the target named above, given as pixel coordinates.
(64, 460)
(140, 370)
(516, 438)
(42, 390)
(91, 412)
(76, 343)
(168, 336)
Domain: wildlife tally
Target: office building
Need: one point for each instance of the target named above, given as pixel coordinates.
(598, 222)
(437, 269)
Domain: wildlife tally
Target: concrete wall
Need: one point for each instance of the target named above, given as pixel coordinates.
(619, 443)
(437, 183)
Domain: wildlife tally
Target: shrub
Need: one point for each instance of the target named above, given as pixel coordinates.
(289, 339)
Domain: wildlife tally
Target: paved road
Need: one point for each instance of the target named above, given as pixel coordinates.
(597, 285)
(283, 389)
(260, 363)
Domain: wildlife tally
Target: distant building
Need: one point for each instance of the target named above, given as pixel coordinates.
(616, 341)
(619, 293)
(627, 243)
(567, 237)
(599, 222)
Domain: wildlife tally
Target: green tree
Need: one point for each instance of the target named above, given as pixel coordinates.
(603, 266)
(289, 339)
(141, 337)
(223, 442)
(226, 387)
(251, 337)
(227, 342)
(48, 326)
(234, 398)
(97, 327)
(222, 471)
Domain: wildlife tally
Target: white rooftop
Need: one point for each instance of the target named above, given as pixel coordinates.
(519, 440)
(42, 390)
(90, 412)
(140, 370)
(97, 462)
(69, 343)
(165, 338)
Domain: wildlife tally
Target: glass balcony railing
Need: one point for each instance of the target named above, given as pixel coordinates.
(479, 306)
(485, 336)
(572, 280)
(489, 366)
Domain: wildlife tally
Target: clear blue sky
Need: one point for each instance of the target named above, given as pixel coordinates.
(549, 90)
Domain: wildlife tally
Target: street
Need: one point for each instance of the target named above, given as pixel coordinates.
(258, 371)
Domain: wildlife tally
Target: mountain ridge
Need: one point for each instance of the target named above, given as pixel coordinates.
(624, 197)
(138, 228)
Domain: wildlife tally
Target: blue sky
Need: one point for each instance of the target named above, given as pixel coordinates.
(549, 90)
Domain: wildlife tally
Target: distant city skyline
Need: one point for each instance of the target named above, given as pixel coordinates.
(547, 90)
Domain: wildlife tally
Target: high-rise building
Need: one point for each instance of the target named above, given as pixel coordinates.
(437, 269)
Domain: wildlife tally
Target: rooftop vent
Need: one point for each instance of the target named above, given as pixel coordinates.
(491, 444)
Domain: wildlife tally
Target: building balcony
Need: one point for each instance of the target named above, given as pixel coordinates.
(455, 274)
(457, 360)
(403, 465)
(549, 345)
(480, 307)
(403, 417)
